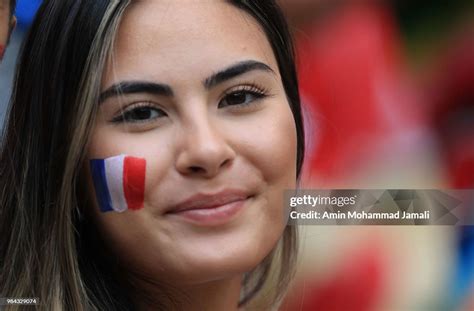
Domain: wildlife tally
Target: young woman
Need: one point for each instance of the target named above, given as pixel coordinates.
(7, 23)
(147, 150)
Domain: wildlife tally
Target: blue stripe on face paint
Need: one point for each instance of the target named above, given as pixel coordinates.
(100, 185)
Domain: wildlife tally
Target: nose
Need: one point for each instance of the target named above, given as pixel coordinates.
(205, 151)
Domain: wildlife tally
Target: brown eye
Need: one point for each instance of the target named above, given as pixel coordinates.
(237, 98)
(240, 98)
(139, 114)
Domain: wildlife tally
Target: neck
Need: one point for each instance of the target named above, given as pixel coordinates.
(215, 295)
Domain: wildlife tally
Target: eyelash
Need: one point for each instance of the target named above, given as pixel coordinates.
(250, 89)
(133, 108)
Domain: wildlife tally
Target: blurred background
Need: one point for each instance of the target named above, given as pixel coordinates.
(388, 98)
(388, 91)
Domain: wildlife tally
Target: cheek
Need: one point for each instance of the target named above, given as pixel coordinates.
(151, 146)
(272, 153)
(273, 150)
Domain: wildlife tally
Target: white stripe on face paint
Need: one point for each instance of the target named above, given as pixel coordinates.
(114, 176)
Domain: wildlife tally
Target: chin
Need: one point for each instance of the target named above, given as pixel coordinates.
(214, 269)
(210, 264)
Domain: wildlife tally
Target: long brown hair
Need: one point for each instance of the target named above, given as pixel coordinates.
(48, 246)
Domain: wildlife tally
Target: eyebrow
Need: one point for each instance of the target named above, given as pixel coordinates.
(135, 87)
(234, 71)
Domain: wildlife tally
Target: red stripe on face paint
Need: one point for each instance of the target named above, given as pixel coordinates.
(134, 182)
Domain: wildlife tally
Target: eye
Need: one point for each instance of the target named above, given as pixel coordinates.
(242, 96)
(139, 113)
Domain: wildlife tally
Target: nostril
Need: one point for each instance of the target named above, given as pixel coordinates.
(195, 169)
(225, 163)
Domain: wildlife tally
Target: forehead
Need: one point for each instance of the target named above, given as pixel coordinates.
(185, 37)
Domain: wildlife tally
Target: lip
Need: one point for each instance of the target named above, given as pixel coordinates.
(211, 208)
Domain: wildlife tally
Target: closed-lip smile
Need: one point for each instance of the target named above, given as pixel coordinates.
(210, 208)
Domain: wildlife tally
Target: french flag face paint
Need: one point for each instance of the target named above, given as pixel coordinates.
(119, 182)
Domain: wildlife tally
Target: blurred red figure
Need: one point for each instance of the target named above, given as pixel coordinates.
(452, 95)
(352, 78)
(354, 287)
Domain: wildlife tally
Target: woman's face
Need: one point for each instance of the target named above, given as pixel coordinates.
(205, 107)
